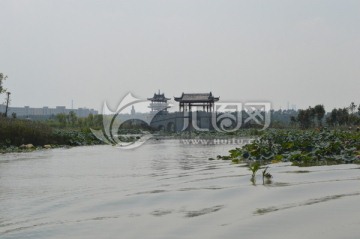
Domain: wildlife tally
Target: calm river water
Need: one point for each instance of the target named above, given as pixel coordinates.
(166, 189)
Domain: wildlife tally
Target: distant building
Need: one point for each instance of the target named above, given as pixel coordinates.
(46, 112)
(159, 102)
(204, 100)
(133, 112)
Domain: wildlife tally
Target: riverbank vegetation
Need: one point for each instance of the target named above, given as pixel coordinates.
(300, 147)
(24, 135)
(288, 138)
(312, 137)
(316, 116)
(17, 135)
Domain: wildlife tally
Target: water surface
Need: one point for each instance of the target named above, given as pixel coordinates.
(166, 189)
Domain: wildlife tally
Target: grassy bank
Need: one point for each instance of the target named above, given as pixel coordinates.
(15, 134)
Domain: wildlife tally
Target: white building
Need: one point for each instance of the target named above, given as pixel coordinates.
(46, 111)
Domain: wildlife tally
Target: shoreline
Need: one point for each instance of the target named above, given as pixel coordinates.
(238, 140)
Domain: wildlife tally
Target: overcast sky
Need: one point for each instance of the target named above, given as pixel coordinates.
(304, 52)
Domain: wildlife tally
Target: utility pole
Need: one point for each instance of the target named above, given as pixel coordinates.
(7, 103)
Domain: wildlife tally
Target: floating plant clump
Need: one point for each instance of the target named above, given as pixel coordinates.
(301, 147)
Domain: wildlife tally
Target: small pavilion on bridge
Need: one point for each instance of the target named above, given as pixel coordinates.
(204, 100)
(158, 102)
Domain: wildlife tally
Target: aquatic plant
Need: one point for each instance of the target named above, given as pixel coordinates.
(254, 167)
(266, 176)
(301, 147)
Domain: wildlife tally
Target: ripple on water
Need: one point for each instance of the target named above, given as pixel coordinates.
(262, 211)
(161, 212)
(203, 211)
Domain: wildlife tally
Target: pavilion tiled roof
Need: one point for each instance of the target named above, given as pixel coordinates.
(159, 98)
(196, 97)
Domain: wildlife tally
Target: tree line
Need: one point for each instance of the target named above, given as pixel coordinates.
(316, 117)
(72, 120)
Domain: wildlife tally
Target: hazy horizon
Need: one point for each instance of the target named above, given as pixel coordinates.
(301, 52)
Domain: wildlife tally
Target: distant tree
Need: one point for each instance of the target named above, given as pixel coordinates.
(81, 122)
(90, 120)
(61, 118)
(308, 118)
(312, 114)
(354, 116)
(352, 107)
(339, 117)
(332, 119)
(2, 78)
(319, 112)
(13, 115)
(344, 116)
(72, 118)
(293, 120)
(98, 120)
(304, 118)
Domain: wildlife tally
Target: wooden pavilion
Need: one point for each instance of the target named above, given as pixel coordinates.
(158, 102)
(204, 100)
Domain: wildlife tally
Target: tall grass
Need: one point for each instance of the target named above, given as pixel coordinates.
(15, 132)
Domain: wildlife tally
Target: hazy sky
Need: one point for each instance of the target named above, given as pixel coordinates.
(304, 52)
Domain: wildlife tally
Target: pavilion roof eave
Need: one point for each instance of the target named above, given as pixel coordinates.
(196, 97)
(197, 101)
(214, 99)
(159, 100)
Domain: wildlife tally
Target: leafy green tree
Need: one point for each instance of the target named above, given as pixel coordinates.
(344, 116)
(339, 117)
(90, 120)
(312, 114)
(72, 118)
(61, 118)
(320, 113)
(98, 121)
(81, 122)
(304, 118)
(332, 119)
(293, 120)
(2, 78)
(352, 107)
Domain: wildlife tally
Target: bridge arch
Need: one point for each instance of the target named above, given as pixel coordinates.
(161, 127)
(170, 127)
